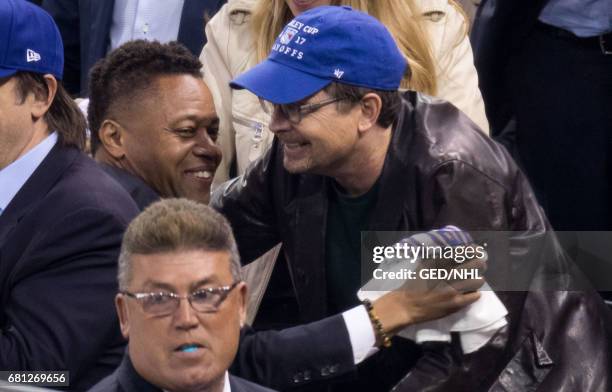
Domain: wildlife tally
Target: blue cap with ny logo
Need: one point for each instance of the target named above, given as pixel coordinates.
(323, 45)
(29, 40)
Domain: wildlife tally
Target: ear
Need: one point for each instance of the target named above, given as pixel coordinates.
(123, 312)
(112, 138)
(41, 102)
(371, 105)
(242, 292)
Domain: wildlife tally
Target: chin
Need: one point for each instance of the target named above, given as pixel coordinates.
(297, 167)
(195, 381)
(200, 197)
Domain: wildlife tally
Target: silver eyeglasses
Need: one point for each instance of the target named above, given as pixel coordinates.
(295, 112)
(162, 303)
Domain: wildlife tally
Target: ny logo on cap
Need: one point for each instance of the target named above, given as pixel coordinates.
(32, 56)
(287, 35)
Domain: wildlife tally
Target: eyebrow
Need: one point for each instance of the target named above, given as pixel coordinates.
(196, 119)
(202, 282)
(155, 285)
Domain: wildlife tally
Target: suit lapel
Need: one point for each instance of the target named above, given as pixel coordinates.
(233, 386)
(237, 386)
(130, 380)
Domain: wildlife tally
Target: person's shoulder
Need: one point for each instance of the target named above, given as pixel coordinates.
(442, 134)
(84, 185)
(107, 384)
(241, 385)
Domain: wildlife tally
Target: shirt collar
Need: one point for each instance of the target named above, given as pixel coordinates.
(226, 384)
(17, 173)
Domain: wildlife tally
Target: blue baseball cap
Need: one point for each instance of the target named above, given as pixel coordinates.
(30, 40)
(323, 45)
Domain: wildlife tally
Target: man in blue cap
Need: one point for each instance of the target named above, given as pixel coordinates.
(353, 153)
(61, 217)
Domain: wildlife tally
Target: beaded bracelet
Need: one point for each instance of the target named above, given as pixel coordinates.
(378, 327)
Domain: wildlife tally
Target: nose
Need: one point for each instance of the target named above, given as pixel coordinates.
(185, 317)
(205, 147)
(278, 122)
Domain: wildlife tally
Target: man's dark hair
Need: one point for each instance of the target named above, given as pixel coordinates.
(130, 70)
(63, 116)
(391, 100)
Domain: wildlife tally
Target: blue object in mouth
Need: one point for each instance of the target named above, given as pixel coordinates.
(190, 349)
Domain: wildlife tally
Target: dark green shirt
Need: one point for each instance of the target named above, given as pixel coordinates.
(346, 218)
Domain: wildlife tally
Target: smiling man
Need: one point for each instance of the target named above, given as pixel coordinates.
(155, 120)
(352, 153)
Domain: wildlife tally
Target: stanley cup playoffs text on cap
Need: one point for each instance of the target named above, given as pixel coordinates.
(29, 40)
(323, 45)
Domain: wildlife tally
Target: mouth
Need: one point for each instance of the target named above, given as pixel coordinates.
(189, 348)
(201, 173)
(295, 145)
(295, 149)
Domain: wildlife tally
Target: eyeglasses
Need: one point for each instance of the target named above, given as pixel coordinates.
(162, 304)
(295, 112)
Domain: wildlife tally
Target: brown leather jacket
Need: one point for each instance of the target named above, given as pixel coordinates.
(441, 170)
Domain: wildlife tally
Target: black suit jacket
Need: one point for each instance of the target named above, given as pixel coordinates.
(59, 241)
(126, 379)
(85, 28)
(500, 26)
(278, 359)
(142, 194)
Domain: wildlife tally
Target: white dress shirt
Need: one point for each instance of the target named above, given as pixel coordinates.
(584, 18)
(361, 333)
(17, 173)
(145, 19)
(226, 384)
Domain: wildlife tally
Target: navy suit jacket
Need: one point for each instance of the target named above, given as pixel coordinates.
(85, 28)
(499, 28)
(59, 241)
(126, 379)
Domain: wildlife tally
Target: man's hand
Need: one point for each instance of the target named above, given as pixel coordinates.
(424, 300)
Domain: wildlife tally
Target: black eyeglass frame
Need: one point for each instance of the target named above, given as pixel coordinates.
(223, 290)
(291, 110)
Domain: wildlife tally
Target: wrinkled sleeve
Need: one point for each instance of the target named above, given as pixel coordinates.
(295, 357)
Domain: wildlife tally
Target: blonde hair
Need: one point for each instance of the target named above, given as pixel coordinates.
(401, 17)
